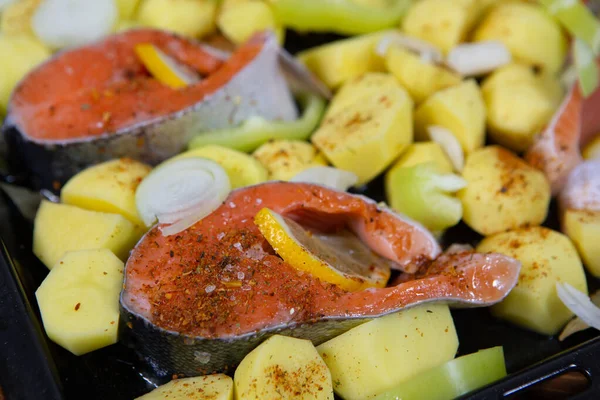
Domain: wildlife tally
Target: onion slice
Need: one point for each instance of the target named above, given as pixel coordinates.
(426, 50)
(475, 59)
(68, 23)
(181, 193)
(327, 176)
(450, 145)
(579, 303)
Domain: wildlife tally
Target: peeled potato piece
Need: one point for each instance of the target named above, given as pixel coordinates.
(213, 387)
(107, 187)
(283, 367)
(284, 159)
(240, 21)
(547, 257)
(59, 228)
(368, 124)
(583, 228)
(195, 18)
(79, 300)
(377, 355)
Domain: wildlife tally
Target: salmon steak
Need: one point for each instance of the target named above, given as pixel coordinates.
(99, 102)
(198, 301)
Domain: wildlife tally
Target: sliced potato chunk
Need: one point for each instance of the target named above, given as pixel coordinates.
(284, 159)
(59, 228)
(379, 354)
(547, 257)
(194, 18)
(240, 21)
(519, 104)
(242, 169)
(107, 187)
(503, 192)
(283, 368)
(422, 152)
(79, 300)
(530, 33)
(441, 22)
(419, 77)
(213, 387)
(460, 109)
(583, 228)
(363, 133)
(15, 18)
(340, 61)
(126, 8)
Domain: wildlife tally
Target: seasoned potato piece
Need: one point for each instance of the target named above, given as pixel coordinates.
(283, 367)
(283, 159)
(460, 109)
(365, 133)
(242, 20)
(107, 187)
(420, 78)
(187, 17)
(441, 22)
(583, 228)
(242, 169)
(547, 257)
(503, 192)
(15, 19)
(79, 300)
(365, 360)
(519, 104)
(422, 152)
(59, 228)
(532, 35)
(213, 387)
(126, 8)
(340, 61)
(26, 52)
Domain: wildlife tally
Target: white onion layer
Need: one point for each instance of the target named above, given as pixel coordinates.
(181, 193)
(475, 59)
(579, 303)
(70, 23)
(327, 176)
(450, 145)
(427, 51)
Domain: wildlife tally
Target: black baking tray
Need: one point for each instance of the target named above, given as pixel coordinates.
(34, 368)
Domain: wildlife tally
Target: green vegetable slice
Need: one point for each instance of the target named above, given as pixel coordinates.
(577, 19)
(587, 69)
(340, 16)
(452, 379)
(256, 130)
(425, 195)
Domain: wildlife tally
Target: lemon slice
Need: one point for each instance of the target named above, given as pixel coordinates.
(163, 68)
(340, 258)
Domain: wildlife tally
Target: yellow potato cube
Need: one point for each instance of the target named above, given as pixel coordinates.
(420, 78)
(15, 19)
(284, 159)
(26, 52)
(242, 169)
(368, 132)
(213, 387)
(195, 18)
(283, 368)
(460, 109)
(422, 152)
(583, 228)
(107, 187)
(59, 228)
(528, 31)
(547, 257)
(340, 61)
(127, 8)
(79, 300)
(441, 22)
(519, 104)
(503, 192)
(238, 23)
(365, 360)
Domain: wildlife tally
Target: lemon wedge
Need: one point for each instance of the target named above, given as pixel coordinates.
(163, 68)
(340, 258)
